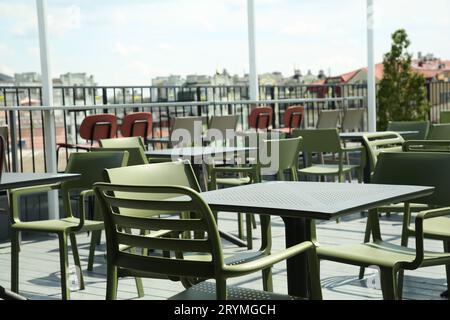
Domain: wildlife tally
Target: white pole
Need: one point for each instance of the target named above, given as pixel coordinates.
(47, 97)
(371, 80)
(253, 76)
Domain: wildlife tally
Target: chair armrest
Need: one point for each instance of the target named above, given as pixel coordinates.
(267, 261)
(361, 149)
(251, 172)
(419, 232)
(81, 207)
(14, 195)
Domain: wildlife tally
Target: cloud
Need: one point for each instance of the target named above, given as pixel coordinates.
(23, 23)
(127, 50)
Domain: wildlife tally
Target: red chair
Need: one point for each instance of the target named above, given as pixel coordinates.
(293, 119)
(93, 128)
(139, 124)
(260, 118)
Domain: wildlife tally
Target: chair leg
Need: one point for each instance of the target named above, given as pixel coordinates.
(76, 258)
(95, 236)
(254, 221)
(111, 282)
(389, 284)
(139, 285)
(401, 273)
(447, 266)
(267, 280)
(221, 289)
(240, 226)
(15, 249)
(248, 222)
(64, 263)
(366, 240)
(314, 275)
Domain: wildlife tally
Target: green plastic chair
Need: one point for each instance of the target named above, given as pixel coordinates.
(129, 142)
(422, 128)
(90, 166)
(181, 174)
(444, 117)
(439, 132)
(136, 155)
(406, 168)
(327, 141)
(188, 254)
(381, 142)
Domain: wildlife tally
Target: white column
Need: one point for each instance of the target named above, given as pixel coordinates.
(371, 80)
(253, 75)
(47, 96)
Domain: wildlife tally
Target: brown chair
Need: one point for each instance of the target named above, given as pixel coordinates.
(93, 128)
(294, 118)
(260, 118)
(139, 124)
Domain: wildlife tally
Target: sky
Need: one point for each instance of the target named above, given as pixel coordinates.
(130, 42)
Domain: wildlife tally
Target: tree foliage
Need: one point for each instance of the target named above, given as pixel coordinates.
(402, 93)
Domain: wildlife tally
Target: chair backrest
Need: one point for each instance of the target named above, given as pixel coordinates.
(222, 124)
(136, 156)
(98, 126)
(139, 124)
(165, 174)
(90, 165)
(187, 130)
(417, 169)
(294, 117)
(353, 120)
(130, 142)
(381, 142)
(422, 128)
(439, 132)
(288, 152)
(260, 118)
(319, 141)
(328, 119)
(116, 199)
(444, 117)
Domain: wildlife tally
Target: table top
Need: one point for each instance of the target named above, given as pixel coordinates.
(197, 152)
(359, 135)
(315, 200)
(11, 180)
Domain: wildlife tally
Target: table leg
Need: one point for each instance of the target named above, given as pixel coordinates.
(202, 175)
(297, 267)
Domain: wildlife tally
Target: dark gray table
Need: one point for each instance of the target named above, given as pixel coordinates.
(19, 180)
(300, 203)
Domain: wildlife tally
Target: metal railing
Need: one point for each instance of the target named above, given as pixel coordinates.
(26, 125)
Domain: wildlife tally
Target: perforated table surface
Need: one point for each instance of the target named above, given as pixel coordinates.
(299, 203)
(11, 180)
(325, 201)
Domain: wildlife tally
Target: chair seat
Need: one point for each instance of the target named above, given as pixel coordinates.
(58, 225)
(207, 291)
(326, 169)
(379, 254)
(233, 181)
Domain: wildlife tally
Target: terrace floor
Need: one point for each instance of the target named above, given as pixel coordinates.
(39, 269)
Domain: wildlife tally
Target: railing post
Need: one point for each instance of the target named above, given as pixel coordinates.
(13, 137)
(105, 99)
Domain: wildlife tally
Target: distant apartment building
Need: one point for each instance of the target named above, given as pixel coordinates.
(169, 81)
